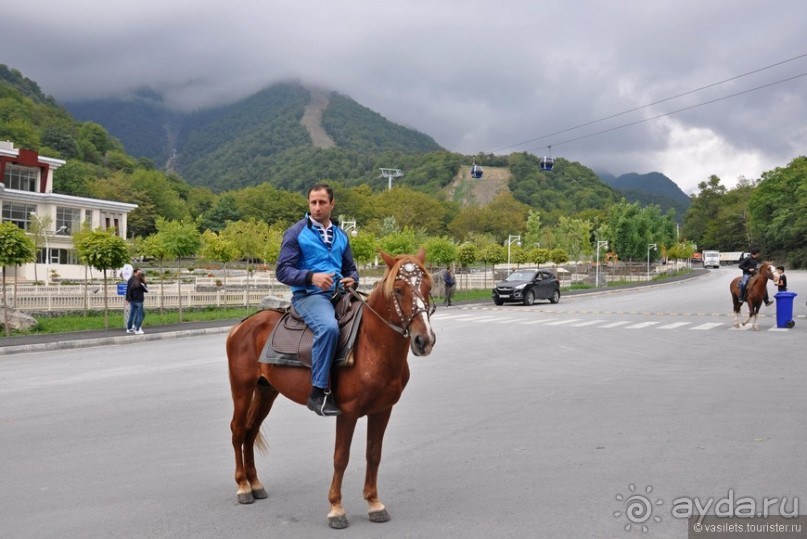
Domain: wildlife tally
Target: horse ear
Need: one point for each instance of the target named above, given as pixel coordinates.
(389, 260)
(421, 256)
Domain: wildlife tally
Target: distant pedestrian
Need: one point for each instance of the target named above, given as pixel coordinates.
(135, 296)
(781, 281)
(449, 282)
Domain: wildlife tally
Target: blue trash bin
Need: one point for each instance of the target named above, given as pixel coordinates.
(784, 309)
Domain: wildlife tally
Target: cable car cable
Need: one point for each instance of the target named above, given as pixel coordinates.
(675, 111)
(649, 104)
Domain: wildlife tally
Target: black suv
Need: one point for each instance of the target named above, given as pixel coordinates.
(526, 286)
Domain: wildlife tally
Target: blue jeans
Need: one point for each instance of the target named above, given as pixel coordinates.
(744, 283)
(318, 313)
(136, 315)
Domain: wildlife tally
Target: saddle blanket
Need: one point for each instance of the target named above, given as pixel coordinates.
(291, 340)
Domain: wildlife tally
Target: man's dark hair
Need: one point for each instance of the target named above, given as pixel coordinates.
(754, 251)
(780, 268)
(321, 187)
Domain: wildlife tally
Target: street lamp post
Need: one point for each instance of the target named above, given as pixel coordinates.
(600, 243)
(649, 246)
(510, 239)
(349, 226)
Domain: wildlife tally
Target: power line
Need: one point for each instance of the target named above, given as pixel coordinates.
(677, 111)
(649, 105)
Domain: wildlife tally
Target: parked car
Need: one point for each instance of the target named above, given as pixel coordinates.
(526, 286)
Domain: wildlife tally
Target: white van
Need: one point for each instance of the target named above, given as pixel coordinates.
(711, 259)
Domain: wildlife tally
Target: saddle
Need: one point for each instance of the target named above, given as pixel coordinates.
(291, 339)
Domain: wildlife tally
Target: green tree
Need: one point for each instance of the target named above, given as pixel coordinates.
(778, 212)
(364, 246)
(152, 247)
(16, 248)
(467, 254)
(179, 239)
(398, 243)
(217, 248)
(440, 251)
(103, 250)
(492, 254)
(39, 227)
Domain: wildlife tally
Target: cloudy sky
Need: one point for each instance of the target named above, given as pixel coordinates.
(476, 75)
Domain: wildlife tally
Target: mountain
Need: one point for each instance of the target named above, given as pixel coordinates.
(651, 188)
(270, 136)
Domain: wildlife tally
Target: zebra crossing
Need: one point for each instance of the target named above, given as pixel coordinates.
(604, 320)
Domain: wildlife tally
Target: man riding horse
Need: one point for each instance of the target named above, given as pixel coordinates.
(749, 265)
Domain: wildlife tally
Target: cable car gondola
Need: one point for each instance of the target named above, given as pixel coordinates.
(547, 162)
(476, 171)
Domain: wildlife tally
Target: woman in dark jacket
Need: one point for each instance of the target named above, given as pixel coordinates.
(135, 295)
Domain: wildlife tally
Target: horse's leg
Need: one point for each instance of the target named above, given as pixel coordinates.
(376, 426)
(242, 392)
(265, 396)
(345, 426)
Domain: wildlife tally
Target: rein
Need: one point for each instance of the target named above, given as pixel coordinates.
(410, 270)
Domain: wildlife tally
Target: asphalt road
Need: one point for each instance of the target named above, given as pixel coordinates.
(525, 421)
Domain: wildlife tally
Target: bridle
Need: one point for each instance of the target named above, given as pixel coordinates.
(407, 273)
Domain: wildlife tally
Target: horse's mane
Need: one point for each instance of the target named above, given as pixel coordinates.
(387, 283)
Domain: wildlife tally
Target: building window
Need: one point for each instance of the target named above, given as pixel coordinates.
(57, 256)
(70, 218)
(19, 214)
(22, 178)
(111, 220)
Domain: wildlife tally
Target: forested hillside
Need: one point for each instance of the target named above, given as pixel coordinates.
(651, 188)
(258, 139)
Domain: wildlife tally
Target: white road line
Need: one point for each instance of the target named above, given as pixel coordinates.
(641, 325)
(539, 321)
(616, 324)
(589, 323)
(561, 322)
(674, 325)
(710, 325)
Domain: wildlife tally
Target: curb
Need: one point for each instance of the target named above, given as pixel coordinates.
(106, 341)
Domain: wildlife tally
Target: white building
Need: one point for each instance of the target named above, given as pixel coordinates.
(26, 195)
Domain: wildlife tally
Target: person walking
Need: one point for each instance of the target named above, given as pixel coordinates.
(135, 297)
(449, 282)
(316, 261)
(781, 281)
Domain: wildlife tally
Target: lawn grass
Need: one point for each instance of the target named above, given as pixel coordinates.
(95, 320)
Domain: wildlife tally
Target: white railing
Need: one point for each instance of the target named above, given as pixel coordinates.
(38, 299)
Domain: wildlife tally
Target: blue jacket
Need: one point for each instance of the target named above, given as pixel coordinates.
(303, 253)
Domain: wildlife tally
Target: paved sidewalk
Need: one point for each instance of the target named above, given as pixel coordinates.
(118, 335)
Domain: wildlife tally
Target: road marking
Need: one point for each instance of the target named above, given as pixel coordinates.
(616, 324)
(674, 325)
(561, 322)
(710, 325)
(589, 323)
(539, 321)
(641, 325)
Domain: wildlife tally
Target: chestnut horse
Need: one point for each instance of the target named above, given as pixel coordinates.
(754, 294)
(397, 318)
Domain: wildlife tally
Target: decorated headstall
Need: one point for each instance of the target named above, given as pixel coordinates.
(412, 275)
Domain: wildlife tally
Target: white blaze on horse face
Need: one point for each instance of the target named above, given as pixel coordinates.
(419, 303)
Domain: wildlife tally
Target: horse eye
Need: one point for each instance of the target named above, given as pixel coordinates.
(398, 291)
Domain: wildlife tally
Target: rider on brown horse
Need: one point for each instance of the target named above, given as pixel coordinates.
(748, 265)
(315, 260)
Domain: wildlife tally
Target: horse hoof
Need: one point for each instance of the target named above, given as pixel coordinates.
(245, 498)
(379, 516)
(338, 523)
(260, 493)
